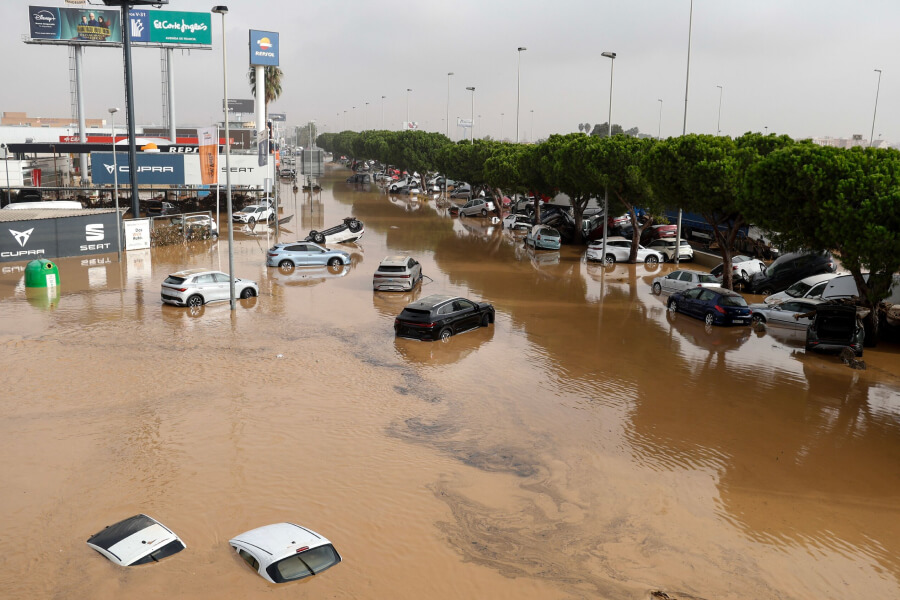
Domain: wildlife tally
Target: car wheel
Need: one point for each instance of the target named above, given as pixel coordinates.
(319, 238)
(334, 261)
(271, 218)
(461, 214)
(757, 319)
(251, 221)
(486, 320)
(286, 264)
(709, 319)
(610, 259)
(673, 306)
(445, 334)
(247, 292)
(657, 288)
(195, 300)
(651, 260)
(355, 226)
(744, 275)
(483, 212)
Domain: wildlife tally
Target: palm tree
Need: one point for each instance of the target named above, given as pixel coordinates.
(273, 84)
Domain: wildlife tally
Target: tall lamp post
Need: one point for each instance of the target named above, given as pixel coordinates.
(449, 75)
(382, 112)
(112, 116)
(501, 127)
(687, 79)
(878, 89)
(223, 10)
(531, 137)
(612, 61)
(472, 129)
(719, 120)
(366, 117)
(408, 90)
(659, 122)
(519, 51)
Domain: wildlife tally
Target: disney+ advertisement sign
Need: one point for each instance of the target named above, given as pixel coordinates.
(96, 25)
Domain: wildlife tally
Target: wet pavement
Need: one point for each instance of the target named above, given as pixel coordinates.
(587, 445)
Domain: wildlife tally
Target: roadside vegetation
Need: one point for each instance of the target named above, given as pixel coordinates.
(809, 197)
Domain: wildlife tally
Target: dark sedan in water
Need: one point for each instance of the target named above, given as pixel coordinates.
(438, 317)
(716, 306)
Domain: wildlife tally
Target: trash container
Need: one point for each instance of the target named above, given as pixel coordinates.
(41, 273)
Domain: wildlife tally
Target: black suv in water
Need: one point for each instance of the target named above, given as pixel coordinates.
(788, 269)
(438, 317)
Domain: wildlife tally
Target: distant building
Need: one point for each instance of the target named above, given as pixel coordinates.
(851, 142)
(21, 119)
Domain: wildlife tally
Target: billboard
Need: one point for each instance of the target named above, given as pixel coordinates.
(263, 48)
(95, 25)
(236, 105)
(170, 27)
(58, 237)
(153, 169)
(209, 154)
(80, 24)
(244, 170)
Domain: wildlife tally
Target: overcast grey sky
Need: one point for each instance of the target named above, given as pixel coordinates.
(801, 67)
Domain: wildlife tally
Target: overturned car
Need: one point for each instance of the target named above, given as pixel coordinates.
(350, 230)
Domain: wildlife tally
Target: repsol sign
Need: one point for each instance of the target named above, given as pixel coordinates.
(152, 168)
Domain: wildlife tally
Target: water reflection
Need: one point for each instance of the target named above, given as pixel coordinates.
(306, 276)
(444, 353)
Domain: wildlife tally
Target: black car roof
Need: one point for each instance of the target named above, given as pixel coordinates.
(430, 302)
(117, 532)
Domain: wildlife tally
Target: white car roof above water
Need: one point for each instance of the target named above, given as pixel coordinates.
(280, 540)
(127, 542)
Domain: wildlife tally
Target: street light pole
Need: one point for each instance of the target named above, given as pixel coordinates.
(501, 127)
(382, 112)
(520, 50)
(223, 10)
(719, 120)
(366, 116)
(408, 90)
(612, 62)
(472, 128)
(687, 79)
(6, 161)
(878, 89)
(449, 75)
(659, 123)
(531, 137)
(112, 116)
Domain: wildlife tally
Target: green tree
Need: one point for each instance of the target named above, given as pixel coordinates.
(566, 164)
(702, 174)
(846, 201)
(273, 84)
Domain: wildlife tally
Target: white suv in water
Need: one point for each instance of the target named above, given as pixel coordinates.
(196, 287)
(397, 274)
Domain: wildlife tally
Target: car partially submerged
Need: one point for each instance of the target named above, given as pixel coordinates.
(397, 274)
(543, 238)
(835, 327)
(349, 230)
(438, 317)
(285, 552)
(196, 287)
(137, 540)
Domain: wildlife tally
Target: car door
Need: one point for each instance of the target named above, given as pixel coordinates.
(688, 304)
(686, 280)
(206, 285)
(315, 255)
(223, 286)
(791, 308)
(465, 314)
(703, 302)
(670, 282)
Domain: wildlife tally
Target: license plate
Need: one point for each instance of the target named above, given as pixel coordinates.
(739, 320)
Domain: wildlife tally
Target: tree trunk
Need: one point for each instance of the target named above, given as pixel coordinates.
(578, 214)
(870, 322)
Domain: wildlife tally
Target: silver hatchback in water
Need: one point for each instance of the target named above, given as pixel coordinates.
(397, 274)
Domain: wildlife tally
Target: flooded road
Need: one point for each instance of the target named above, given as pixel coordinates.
(586, 445)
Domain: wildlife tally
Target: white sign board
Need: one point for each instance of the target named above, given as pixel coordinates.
(137, 234)
(245, 170)
(411, 125)
(463, 122)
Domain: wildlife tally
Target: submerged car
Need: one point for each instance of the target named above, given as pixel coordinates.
(285, 552)
(202, 226)
(682, 280)
(618, 249)
(437, 317)
(808, 287)
(304, 254)
(196, 287)
(476, 207)
(835, 327)
(397, 274)
(543, 238)
(517, 221)
(786, 314)
(253, 213)
(742, 267)
(715, 306)
(349, 230)
(788, 269)
(666, 247)
(137, 540)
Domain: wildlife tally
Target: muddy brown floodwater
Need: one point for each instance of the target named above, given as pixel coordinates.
(586, 445)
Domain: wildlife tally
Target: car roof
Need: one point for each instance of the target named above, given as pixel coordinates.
(189, 272)
(398, 259)
(670, 240)
(814, 279)
(132, 538)
(280, 539)
(723, 291)
(430, 302)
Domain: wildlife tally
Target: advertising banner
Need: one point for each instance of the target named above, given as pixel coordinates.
(209, 154)
(170, 27)
(36, 177)
(58, 237)
(278, 117)
(153, 169)
(263, 48)
(244, 171)
(263, 147)
(238, 105)
(84, 24)
(137, 234)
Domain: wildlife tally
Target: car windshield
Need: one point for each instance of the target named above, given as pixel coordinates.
(798, 290)
(391, 269)
(707, 279)
(732, 301)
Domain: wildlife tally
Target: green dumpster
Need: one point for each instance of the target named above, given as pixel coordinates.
(41, 274)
